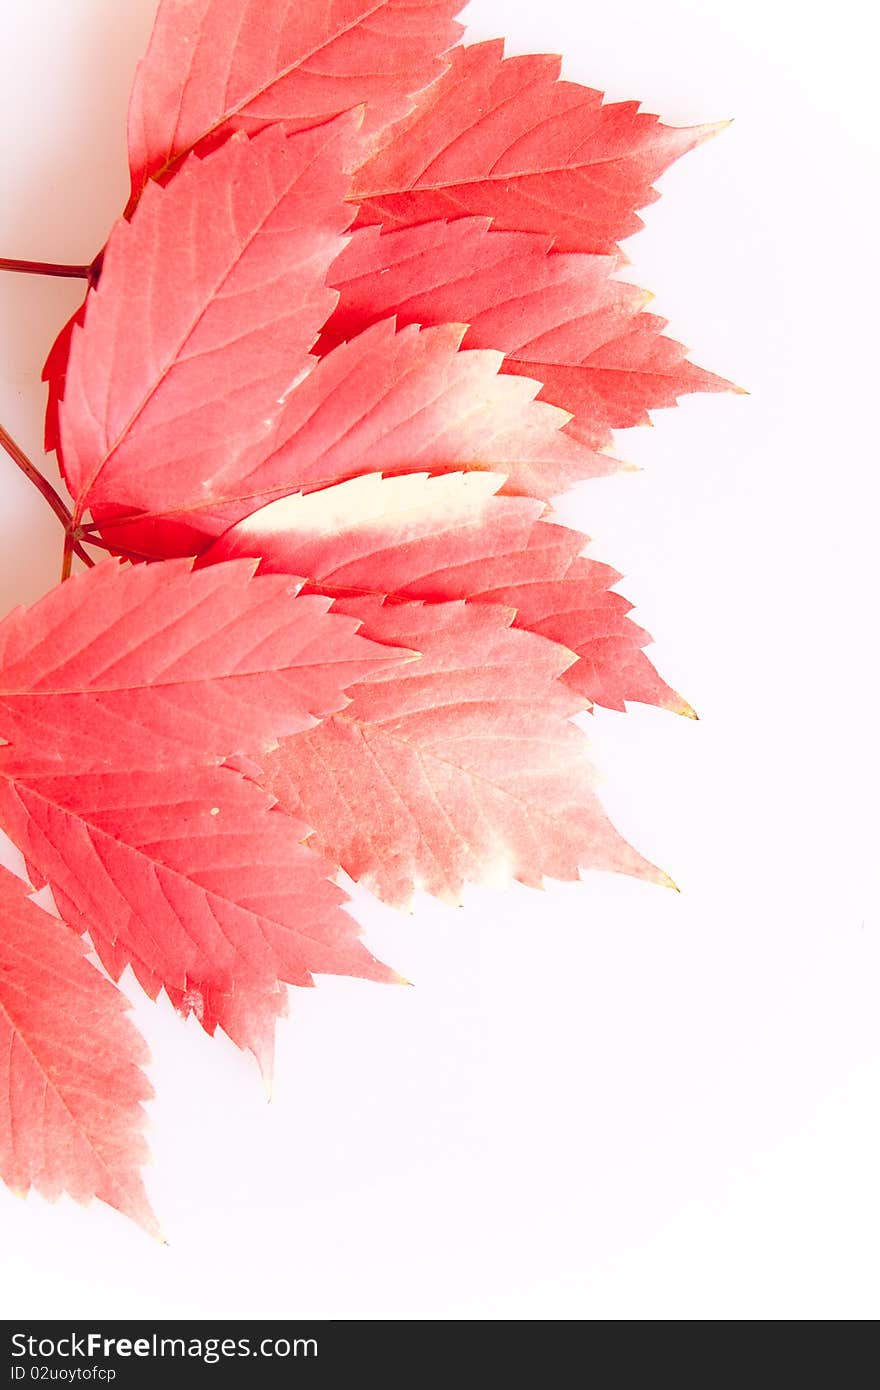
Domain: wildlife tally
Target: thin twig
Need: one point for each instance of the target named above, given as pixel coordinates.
(64, 272)
(30, 471)
(83, 555)
(67, 558)
(91, 538)
(45, 488)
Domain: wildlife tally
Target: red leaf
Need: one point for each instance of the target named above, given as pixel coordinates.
(113, 689)
(560, 318)
(180, 760)
(153, 665)
(70, 1081)
(214, 66)
(55, 375)
(189, 876)
(208, 303)
(391, 402)
(462, 767)
(582, 611)
(437, 539)
(502, 138)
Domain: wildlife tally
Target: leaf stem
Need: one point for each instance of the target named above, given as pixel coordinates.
(42, 484)
(67, 558)
(47, 491)
(64, 272)
(90, 538)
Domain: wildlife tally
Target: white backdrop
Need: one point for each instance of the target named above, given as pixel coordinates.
(606, 1100)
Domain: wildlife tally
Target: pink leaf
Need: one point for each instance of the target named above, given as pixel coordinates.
(502, 138)
(392, 402)
(207, 306)
(190, 877)
(154, 665)
(463, 767)
(453, 537)
(117, 693)
(71, 1087)
(215, 66)
(560, 318)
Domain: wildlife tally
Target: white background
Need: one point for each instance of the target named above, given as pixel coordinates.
(607, 1100)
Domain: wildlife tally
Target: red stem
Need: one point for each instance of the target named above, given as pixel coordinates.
(65, 272)
(47, 491)
(67, 558)
(90, 538)
(30, 471)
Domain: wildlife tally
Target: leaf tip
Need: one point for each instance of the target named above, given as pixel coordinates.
(143, 1215)
(682, 707)
(664, 880)
(709, 131)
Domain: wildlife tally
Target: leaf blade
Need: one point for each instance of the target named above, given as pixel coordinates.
(193, 880)
(438, 539)
(503, 138)
(391, 402)
(156, 665)
(71, 1085)
(208, 303)
(216, 66)
(469, 771)
(559, 318)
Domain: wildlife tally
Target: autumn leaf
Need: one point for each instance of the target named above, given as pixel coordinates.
(453, 537)
(576, 174)
(71, 1085)
(54, 373)
(117, 691)
(463, 767)
(216, 66)
(391, 402)
(208, 304)
(561, 319)
(503, 138)
(188, 875)
(584, 612)
(157, 665)
(371, 658)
